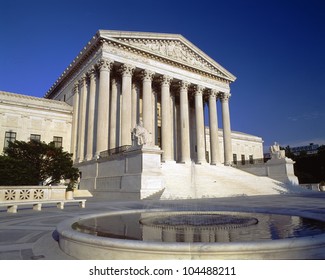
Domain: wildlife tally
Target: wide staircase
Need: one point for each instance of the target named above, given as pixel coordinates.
(199, 181)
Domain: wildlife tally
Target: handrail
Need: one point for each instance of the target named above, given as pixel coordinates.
(114, 151)
(240, 163)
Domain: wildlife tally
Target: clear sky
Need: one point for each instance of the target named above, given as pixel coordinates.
(275, 48)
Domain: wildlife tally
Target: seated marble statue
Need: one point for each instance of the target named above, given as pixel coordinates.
(141, 135)
(276, 152)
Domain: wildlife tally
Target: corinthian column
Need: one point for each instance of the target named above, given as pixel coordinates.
(199, 119)
(135, 107)
(75, 121)
(104, 66)
(184, 123)
(213, 120)
(82, 118)
(166, 127)
(147, 111)
(91, 113)
(226, 128)
(126, 71)
(113, 115)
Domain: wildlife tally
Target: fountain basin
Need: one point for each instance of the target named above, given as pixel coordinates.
(157, 236)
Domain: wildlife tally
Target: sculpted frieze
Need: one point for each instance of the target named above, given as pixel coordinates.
(118, 51)
(175, 50)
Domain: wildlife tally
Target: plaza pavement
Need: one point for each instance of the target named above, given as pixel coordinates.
(31, 235)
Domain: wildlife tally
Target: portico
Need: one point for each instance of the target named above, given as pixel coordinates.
(190, 99)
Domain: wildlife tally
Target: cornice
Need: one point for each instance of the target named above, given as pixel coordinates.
(237, 135)
(33, 102)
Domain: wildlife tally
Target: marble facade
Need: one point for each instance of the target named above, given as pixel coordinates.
(26, 116)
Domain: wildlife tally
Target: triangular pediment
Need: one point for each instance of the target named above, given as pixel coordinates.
(171, 47)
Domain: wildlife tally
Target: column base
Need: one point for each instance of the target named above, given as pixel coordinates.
(202, 163)
(169, 161)
(89, 157)
(79, 160)
(185, 162)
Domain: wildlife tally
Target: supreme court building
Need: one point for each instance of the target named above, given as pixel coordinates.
(160, 83)
(121, 78)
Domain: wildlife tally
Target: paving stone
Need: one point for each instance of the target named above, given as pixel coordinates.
(31, 235)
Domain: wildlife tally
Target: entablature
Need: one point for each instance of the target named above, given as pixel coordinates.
(155, 50)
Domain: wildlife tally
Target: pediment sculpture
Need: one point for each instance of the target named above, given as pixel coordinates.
(176, 50)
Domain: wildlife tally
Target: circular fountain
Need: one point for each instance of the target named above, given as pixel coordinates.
(170, 234)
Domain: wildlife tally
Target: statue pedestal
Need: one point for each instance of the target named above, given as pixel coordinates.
(130, 175)
(281, 169)
(148, 158)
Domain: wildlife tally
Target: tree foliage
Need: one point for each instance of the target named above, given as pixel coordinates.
(35, 162)
(309, 168)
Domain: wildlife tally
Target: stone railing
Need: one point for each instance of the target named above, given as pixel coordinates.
(31, 193)
(313, 187)
(256, 161)
(115, 151)
(13, 196)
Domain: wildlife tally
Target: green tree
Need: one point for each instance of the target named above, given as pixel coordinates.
(34, 162)
(288, 152)
(310, 168)
(321, 158)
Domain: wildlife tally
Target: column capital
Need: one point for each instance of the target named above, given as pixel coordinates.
(198, 90)
(224, 96)
(92, 73)
(82, 80)
(105, 64)
(76, 87)
(213, 93)
(165, 80)
(183, 85)
(126, 70)
(147, 75)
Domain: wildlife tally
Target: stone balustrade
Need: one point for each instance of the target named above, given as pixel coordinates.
(13, 196)
(28, 193)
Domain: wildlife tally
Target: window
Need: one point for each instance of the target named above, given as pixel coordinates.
(243, 159)
(35, 137)
(57, 141)
(234, 158)
(251, 159)
(10, 136)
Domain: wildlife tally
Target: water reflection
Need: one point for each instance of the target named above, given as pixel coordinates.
(200, 226)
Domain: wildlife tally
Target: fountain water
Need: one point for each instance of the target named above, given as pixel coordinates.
(171, 233)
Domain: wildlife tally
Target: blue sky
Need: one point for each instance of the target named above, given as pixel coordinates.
(275, 48)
